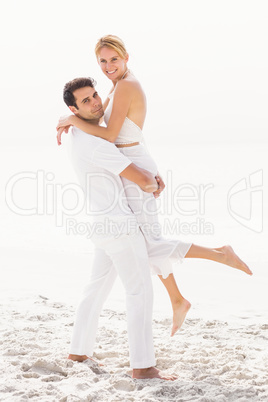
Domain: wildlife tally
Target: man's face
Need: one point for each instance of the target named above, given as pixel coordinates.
(89, 105)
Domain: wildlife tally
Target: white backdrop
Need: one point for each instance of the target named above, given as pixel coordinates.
(203, 64)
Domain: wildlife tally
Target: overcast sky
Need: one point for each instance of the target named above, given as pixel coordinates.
(203, 64)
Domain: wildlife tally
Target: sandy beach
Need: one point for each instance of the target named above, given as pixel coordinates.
(214, 360)
(220, 353)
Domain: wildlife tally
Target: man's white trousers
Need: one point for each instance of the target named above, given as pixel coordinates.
(126, 256)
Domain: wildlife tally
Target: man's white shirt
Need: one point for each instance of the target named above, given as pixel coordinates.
(98, 163)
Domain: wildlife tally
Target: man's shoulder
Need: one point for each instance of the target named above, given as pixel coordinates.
(79, 133)
(85, 139)
(88, 145)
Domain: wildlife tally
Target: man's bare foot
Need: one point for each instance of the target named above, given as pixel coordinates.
(151, 372)
(78, 358)
(232, 259)
(180, 310)
(82, 358)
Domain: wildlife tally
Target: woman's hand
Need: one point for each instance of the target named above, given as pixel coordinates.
(64, 123)
(60, 131)
(161, 186)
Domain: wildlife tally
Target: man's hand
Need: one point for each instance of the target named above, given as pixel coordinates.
(145, 180)
(161, 186)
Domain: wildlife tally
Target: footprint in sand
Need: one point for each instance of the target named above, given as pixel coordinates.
(52, 378)
(94, 367)
(30, 375)
(124, 385)
(42, 367)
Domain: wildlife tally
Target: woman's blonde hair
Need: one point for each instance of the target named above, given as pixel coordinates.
(112, 42)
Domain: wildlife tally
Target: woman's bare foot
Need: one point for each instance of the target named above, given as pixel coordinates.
(82, 358)
(180, 310)
(231, 258)
(151, 372)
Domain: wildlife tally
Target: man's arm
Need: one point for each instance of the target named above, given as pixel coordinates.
(142, 177)
(108, 157)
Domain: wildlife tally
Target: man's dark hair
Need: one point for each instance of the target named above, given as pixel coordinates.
(72, 86)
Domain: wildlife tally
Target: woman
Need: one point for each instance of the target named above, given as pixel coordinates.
(125, 111)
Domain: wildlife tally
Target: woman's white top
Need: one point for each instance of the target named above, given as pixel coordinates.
(129, 132)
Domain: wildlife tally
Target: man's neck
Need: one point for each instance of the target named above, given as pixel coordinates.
(96, 122)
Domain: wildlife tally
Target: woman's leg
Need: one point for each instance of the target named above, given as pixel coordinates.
(180, 305)
(224, 255)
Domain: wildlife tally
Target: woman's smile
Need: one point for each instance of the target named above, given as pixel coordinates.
(111, 72)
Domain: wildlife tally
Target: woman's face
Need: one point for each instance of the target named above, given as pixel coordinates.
(112, 65)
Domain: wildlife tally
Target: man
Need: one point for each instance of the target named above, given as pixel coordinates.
(120, 246)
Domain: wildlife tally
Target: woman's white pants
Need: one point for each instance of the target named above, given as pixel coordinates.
(126, 256)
